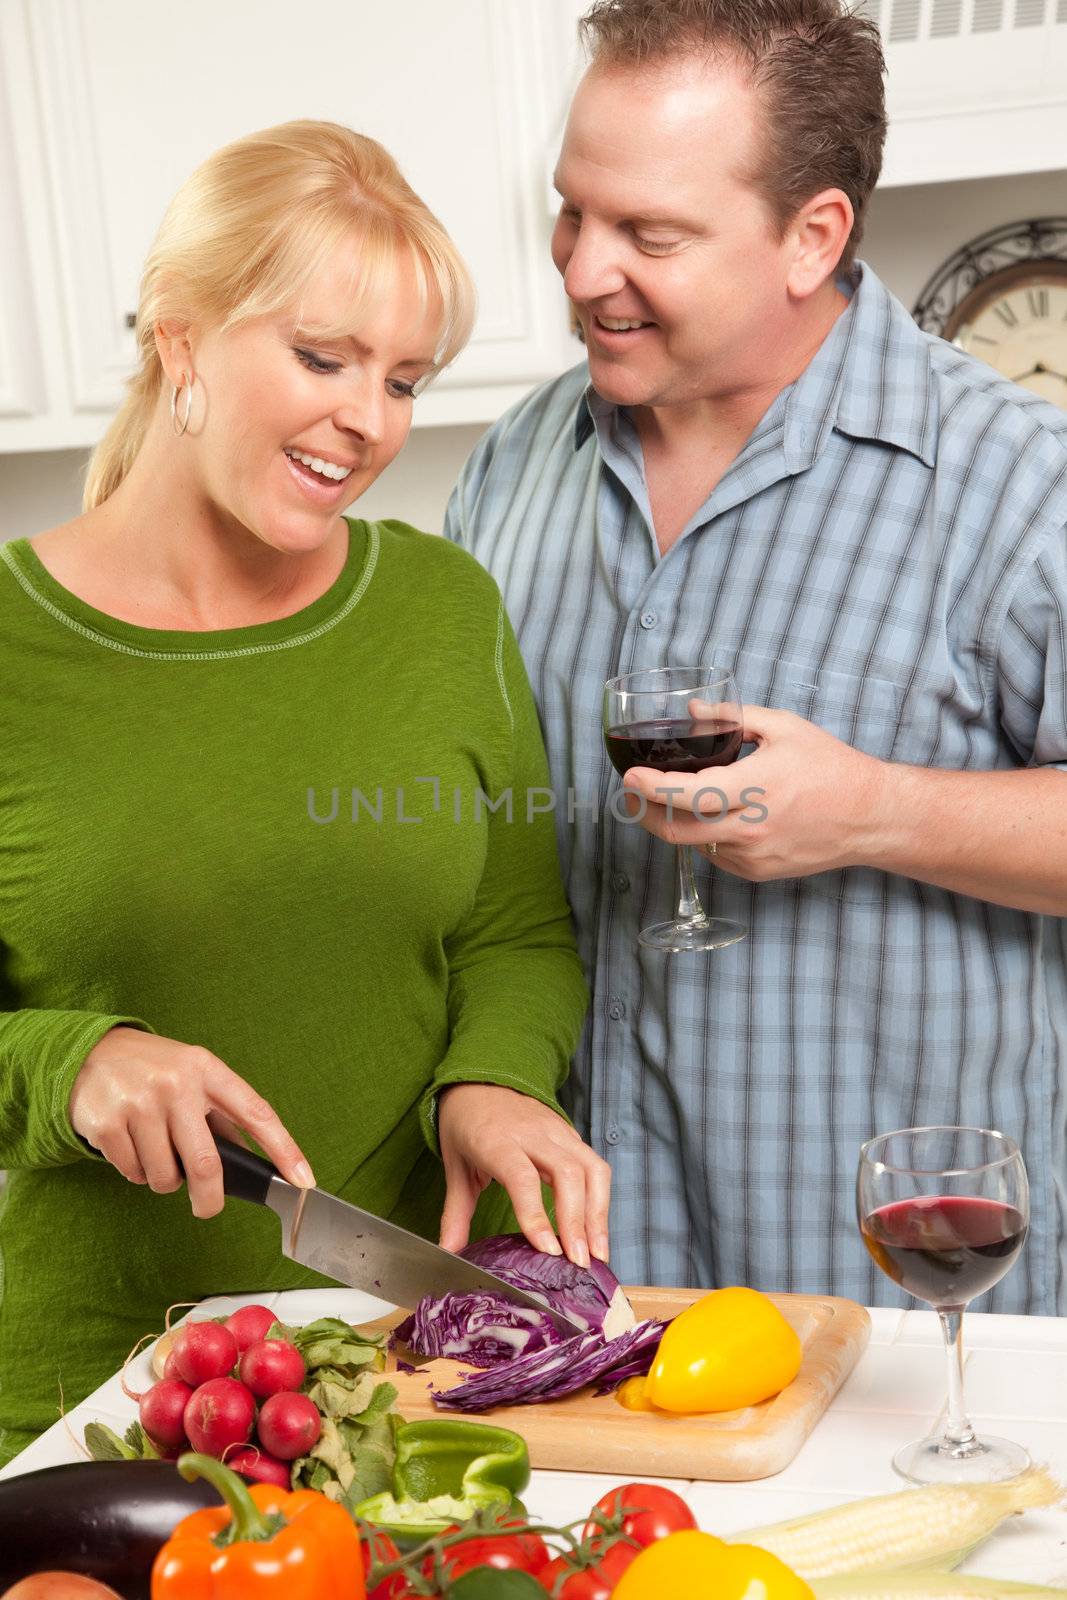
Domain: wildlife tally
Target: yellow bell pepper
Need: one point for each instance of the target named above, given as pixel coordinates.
(732, 1348)
(692, 1563)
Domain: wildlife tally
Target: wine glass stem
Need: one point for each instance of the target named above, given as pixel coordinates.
(689, 906)
(959, 1437)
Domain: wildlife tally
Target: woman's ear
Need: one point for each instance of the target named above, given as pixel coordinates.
(174, 344)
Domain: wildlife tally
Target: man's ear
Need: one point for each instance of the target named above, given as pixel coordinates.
(174, 344)
(819, 233)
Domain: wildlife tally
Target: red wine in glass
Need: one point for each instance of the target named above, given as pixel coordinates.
(677, 720)
(944, 1212)
(945, 1249)
(674, 744)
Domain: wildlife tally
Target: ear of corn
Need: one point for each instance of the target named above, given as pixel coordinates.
(934, 1526)
(923, 1586)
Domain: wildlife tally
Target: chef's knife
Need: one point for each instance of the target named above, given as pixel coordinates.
(356, 1247)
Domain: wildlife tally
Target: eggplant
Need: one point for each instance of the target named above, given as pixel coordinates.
(103, 1519)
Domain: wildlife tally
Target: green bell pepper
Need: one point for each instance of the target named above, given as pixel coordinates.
(445, 1471)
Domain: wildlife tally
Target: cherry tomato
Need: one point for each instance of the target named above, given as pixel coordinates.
(378, 1549)
(519, 1552)
(649, 1512)
(588, 1583)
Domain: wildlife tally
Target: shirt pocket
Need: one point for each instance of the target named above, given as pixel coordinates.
(862, 710)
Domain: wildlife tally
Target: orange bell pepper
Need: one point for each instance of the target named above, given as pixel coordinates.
(263, 1544)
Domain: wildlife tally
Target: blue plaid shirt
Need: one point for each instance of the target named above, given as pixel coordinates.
(886, 556)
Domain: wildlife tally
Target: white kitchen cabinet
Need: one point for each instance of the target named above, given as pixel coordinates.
(107, 105)
(976, 88)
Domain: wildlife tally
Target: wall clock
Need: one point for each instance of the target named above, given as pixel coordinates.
(1003, 298)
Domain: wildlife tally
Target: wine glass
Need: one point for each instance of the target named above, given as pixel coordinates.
(677, 719)
(944, 1212)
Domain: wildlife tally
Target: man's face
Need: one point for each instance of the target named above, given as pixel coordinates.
(660, 227)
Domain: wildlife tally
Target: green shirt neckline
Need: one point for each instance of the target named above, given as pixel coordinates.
(172, 644)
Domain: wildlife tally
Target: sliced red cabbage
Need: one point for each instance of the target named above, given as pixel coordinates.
(487, 1329)
(560, 1370)
(482, 1329)
(590, 1295)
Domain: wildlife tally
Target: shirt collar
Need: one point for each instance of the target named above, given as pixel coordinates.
(870, 379)
(583, 420)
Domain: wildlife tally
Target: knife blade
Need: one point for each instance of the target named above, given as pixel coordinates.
(364, 1251)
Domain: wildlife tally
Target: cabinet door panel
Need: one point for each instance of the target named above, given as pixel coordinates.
(23, 391)
(133, 96)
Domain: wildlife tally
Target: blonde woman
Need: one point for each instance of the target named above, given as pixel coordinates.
(216, 911)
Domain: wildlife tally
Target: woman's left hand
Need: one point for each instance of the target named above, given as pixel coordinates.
(488, 1132)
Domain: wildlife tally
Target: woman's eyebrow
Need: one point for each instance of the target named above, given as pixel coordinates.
(358, 345)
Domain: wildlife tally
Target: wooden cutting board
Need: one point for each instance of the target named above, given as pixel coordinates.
(591, 1433)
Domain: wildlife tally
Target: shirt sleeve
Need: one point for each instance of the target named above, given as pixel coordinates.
(517, 996)
(41, 1054)
(1031, 663)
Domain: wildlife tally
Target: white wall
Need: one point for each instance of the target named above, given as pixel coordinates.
(909, 233)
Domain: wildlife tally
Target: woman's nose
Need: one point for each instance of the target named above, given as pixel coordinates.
(363, 413)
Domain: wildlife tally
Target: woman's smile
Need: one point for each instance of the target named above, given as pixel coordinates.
(322, 482)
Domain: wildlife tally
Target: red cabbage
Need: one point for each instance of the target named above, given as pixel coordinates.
(591, 1295)
(481, 1329)
(560, 1370)
(487, 1329)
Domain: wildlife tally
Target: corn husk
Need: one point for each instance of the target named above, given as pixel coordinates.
(929, 1585)
(937, 1526)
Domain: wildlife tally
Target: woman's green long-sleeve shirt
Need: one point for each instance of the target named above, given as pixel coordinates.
(214, 836)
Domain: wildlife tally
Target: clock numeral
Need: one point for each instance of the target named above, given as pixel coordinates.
(1006, 313)
(1037, 300)
(982, 338)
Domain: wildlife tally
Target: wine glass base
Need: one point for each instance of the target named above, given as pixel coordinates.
(699, 933)
(927, 1461)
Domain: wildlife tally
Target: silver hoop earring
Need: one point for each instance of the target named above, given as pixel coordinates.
(182, 422)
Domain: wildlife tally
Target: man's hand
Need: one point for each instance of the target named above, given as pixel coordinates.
(488, 1132)
(803, 802)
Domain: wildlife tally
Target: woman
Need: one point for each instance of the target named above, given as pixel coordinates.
(216, 912)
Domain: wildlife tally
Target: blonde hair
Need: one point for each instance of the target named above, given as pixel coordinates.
(251, 229)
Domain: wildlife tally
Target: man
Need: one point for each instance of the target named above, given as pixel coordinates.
(765, 465)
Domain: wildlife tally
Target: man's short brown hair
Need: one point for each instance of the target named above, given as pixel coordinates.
(816, 65)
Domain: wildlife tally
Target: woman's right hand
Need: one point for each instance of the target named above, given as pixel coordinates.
(145, 1103)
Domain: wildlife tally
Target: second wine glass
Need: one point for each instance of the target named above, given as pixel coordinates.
(677, 719)
(944, 1212)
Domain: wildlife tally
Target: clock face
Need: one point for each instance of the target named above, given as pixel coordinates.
(1016, 321)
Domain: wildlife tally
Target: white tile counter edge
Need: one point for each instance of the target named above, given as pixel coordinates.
(1016, 1386)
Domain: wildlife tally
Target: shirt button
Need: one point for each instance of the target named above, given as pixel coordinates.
(649, 619)
(616, 1009)
(620, 883)
(611, 1134)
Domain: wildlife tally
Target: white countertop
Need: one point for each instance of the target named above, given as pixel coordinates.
(1016, 1386)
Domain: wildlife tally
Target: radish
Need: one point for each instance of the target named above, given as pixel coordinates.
(271, 1366)
(161, 1412)
(260, 1467)
(288, 1425)
(250, 1324)
(202, 1351)
(218, 1414)
(170, 1366)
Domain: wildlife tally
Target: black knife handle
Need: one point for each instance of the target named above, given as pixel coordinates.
(245, 1176)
